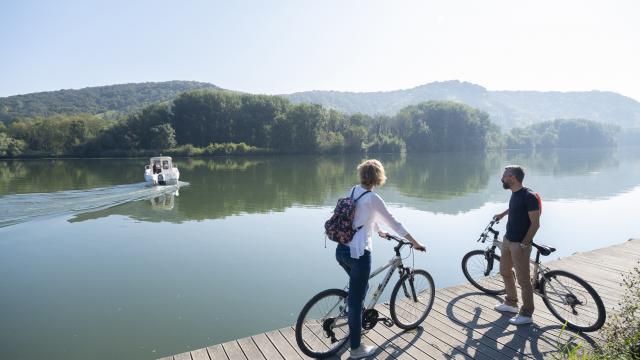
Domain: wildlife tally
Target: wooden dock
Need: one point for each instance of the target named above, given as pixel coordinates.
(462, 323)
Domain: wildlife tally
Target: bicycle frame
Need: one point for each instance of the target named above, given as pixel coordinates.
(538, 268)
(395, 262)
(392, 265)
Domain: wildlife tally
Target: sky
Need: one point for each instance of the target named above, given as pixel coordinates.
(277, 47)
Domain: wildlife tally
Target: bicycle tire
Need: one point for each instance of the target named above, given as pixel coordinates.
(318, 344)
(489, 284)
(554, 275)
(408, 283)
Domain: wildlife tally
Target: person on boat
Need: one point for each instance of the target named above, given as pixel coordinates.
(524, 222)
(156, 167)
(355, 256)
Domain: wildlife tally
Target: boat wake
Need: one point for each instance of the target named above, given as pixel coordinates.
(19, 208)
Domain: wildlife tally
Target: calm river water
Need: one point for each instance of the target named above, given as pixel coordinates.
(95, 265)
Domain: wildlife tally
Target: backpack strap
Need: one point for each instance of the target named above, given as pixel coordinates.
(361, 195)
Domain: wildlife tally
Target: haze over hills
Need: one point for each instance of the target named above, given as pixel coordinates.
(506, 108)
(111, 100)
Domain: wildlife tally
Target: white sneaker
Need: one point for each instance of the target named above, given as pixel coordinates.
(363, 351)
(520, 320)
(506, 308)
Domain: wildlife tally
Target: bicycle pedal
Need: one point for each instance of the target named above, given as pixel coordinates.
(388, 322)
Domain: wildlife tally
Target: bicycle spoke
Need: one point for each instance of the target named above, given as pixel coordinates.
(412, 302)
(476, 269)
(322, 327)
(571, 301)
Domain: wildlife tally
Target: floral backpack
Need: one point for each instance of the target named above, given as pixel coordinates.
(339, 227)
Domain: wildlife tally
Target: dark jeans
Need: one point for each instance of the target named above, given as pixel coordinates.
(358, 270)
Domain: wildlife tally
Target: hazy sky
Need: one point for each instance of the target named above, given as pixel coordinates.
(288, 46)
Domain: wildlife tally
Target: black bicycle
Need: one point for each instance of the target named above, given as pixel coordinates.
(567, 296)
(322, 327)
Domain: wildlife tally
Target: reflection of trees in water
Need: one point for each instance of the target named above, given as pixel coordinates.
(222, 187)
(583, 174)
(219, 163)
(445, 182)
(270, 185)
(441, 176)
(28, 176)
(565, 161)
(453, 183)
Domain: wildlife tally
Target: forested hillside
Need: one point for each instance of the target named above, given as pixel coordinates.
(508, 109)
(108, 101)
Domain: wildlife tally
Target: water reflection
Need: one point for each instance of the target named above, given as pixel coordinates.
(164, 202)
(447, 183)
(30, 176)
(155, 209)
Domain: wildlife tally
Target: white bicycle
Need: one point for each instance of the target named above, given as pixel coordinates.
(567, 296)
(322, 326)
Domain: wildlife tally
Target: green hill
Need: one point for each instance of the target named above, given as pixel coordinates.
(507, 108)
(110, 101)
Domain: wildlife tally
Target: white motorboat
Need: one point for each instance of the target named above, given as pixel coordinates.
(161, 171)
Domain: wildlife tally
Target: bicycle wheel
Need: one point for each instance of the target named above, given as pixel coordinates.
(322, 326)
(483, 272)
(572, 300)
(411, 306)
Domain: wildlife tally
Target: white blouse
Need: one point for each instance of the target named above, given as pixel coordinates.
(370, 209)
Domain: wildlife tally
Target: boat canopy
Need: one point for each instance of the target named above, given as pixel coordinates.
(161, 161)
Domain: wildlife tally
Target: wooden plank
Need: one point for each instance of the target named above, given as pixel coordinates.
(473, 322)
(289, 334)
(182, 356)
(282, 345)
(387, 348)
(250, 349)
(546, 328)
(167, 358)
(200, 354)
(584, 268)
(476, 351)
(216, 352)
(466, 337)
(266, 347)
(494, 324)
(429, 340)
(233, 351)
(589, 261)
(607, 287)
(468, 288)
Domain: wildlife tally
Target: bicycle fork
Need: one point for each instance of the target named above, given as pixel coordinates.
(488, 255)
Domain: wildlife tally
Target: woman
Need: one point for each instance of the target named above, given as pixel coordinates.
(355, 256)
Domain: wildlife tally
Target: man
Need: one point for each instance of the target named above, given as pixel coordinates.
(524, 221)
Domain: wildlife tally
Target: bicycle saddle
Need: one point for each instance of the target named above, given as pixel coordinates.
(543, 249)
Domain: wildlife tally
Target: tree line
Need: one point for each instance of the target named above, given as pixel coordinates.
(109, 101)
(213, 122)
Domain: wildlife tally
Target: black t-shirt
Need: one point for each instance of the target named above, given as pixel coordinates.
(521, 202)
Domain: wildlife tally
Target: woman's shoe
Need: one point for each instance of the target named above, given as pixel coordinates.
(363, 351)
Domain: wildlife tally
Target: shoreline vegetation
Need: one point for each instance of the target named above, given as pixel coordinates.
(213, 122)
(621, 333)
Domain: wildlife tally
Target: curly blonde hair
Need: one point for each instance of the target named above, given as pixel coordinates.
(371, 173)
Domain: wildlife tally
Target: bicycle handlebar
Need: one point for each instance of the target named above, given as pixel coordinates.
(489, 228)
(398, 239)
